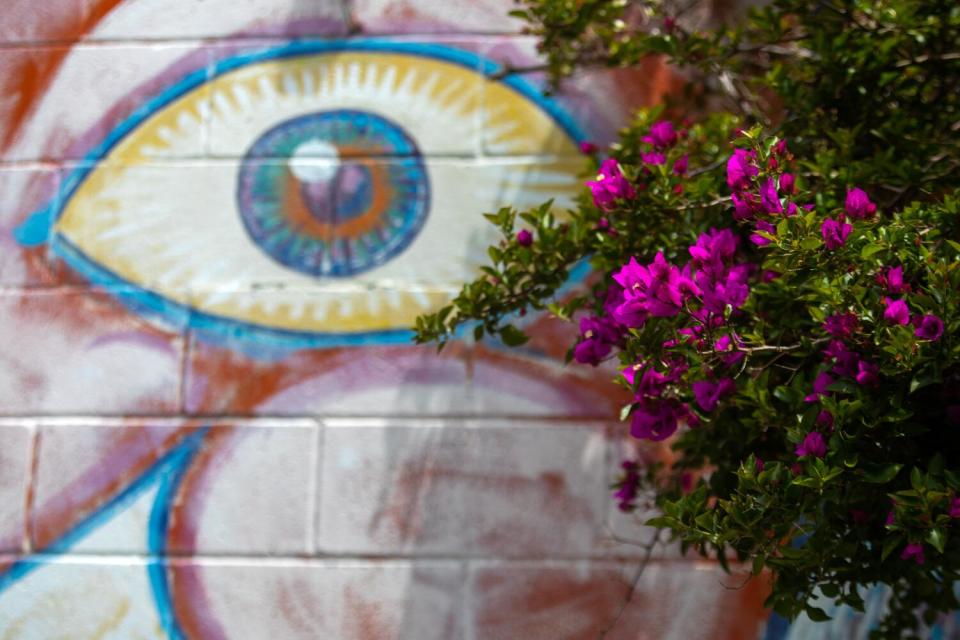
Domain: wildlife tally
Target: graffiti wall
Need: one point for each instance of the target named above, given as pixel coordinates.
(217, 222)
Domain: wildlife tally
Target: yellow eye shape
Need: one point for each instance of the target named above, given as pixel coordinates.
(334, 208)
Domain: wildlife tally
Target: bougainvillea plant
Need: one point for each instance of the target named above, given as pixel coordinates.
(777, 278)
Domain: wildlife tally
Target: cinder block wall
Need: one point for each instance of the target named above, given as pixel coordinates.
(217, 222)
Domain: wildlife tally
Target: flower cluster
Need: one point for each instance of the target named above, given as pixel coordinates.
(696, 308)
(702, 293)
(789, 337)
(610, 185)
(926, 327)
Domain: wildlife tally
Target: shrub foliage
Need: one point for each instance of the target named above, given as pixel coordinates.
(778, 281)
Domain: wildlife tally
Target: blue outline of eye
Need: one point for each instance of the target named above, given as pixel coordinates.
(36, 230)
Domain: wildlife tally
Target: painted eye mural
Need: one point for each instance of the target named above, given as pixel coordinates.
(332, 203)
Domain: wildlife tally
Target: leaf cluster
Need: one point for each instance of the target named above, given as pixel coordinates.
(865, 94)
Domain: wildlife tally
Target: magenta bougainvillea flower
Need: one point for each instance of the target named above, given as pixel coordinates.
(845, 360)
(813, 445)
(662, 135)
(652, 384)
(633, 278)
(766, 227)
(892, 279)
(788, 183)
(740, 169)
(658, 289)
(657, 419)
(825, 420)
(720, 290)
(769, 198)
(868, 374)
(930, 327)
(743, 207)
(729, 345)
(725, 343)
(954, 508)
(708, 393)
(598, 336)
(913, 551)
(896, 312)
(588, 147)
(713, 248)
(680, 166)
(629, 487)
(524, 238)
(610, 185)
(591, 351)
(841, 325)
(653, 158)
(858, 205)
(820, 386)
(835, 233)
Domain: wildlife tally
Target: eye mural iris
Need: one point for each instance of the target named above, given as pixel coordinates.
(339, 196)
(324, 213)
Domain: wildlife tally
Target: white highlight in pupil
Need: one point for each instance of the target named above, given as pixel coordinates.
(314, 161)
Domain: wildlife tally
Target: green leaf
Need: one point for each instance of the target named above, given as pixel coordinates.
(512, 336)
(663, 522)
(937, 538)
(830, 590)
(811, 243)
(705, 520)
(831, 474)
(881, 474)
(924, 379)
(870, 249)
(889, 545)
(916, 480)
(816, 613)
(811, 483)
(935, 466)
(722, 559)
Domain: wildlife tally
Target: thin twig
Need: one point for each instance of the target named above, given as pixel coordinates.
(704, 205)
(769, 347)
(648, 551)
(509, 69)
(928, 58)
(710, 167)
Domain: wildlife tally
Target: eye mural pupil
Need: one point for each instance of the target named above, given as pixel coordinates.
(333, 193)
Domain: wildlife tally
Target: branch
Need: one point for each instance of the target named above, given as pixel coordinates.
(648, 551)
(928, 58)
(704, 205)
(768, 347)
